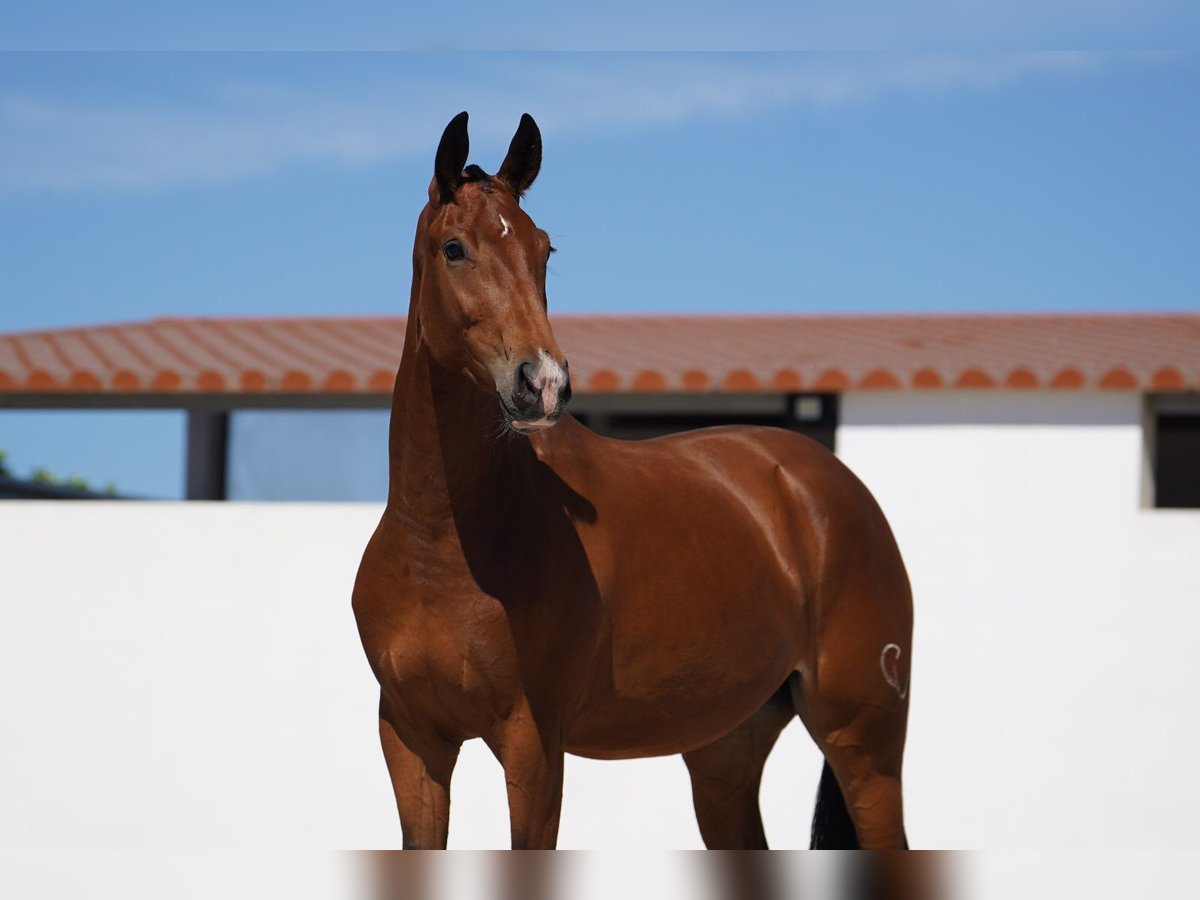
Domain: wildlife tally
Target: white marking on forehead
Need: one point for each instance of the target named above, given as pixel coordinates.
(891, 654)
(504, 222)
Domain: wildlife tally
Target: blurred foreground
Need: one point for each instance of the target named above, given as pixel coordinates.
(591, 875)
(749, 875)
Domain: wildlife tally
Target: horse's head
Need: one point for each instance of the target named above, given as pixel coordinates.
(481, 266)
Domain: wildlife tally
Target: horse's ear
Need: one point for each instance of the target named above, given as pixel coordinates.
(452, 157)
(524, 158)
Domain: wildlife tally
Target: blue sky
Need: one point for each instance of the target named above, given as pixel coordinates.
(146, 184)
(617, 24)
(134, 185)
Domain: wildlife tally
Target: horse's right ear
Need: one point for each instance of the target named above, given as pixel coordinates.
(451, 158)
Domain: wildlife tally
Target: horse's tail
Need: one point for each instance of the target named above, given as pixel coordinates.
(831, 825)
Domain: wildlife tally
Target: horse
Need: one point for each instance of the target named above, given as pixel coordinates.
(553, 591)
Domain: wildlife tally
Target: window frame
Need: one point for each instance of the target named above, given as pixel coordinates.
(1155, 406)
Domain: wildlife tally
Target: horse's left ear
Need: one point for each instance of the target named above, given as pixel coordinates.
(524, 159)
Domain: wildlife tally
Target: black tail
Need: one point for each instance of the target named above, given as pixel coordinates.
(831, 826)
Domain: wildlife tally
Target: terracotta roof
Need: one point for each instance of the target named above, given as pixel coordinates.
(630, 353)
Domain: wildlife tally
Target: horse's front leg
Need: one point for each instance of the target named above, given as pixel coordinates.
(421, 782)
(531, 753)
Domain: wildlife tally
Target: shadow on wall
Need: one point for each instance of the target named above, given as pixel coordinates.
(991, 408)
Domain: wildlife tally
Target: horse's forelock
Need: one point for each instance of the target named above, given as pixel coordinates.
(472, 174)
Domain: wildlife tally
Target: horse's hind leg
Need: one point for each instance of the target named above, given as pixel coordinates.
(726, 776)
(870, 785)
(856, 711)
(421, 782)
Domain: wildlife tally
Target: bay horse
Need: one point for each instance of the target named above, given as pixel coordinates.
(553, 591)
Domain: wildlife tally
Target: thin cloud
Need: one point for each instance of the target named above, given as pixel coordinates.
(248, 130)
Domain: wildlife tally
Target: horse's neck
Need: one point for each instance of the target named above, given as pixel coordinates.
(447, 457)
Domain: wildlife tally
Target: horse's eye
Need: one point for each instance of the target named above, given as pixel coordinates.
(454, 251)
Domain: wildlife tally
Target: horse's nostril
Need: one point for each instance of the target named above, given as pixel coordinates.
(525, 392)
(526, 372)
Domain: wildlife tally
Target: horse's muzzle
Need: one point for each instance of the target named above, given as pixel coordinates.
(541, 389)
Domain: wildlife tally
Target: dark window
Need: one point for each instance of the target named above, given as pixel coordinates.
(1177, 461)
(814, 415)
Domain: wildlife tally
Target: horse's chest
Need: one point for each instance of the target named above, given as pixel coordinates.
(450, 662)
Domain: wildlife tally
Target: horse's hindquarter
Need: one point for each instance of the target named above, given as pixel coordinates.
(708, 549)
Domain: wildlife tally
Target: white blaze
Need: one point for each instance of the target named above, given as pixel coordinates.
(549, 380)
(504, 223)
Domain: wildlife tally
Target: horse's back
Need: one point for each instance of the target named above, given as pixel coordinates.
(772, 475)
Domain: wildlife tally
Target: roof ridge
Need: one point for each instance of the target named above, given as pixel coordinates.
(1137, 350)
(702, 316)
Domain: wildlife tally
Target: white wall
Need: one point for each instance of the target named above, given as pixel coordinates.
(188, 675)
(1008, 454)
(1054, 660)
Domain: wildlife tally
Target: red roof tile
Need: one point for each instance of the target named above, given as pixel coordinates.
(631, 353)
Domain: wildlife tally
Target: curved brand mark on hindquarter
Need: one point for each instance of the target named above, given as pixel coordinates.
(889, 663)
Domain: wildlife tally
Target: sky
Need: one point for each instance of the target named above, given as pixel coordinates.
(618, 24)
(141, 184)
